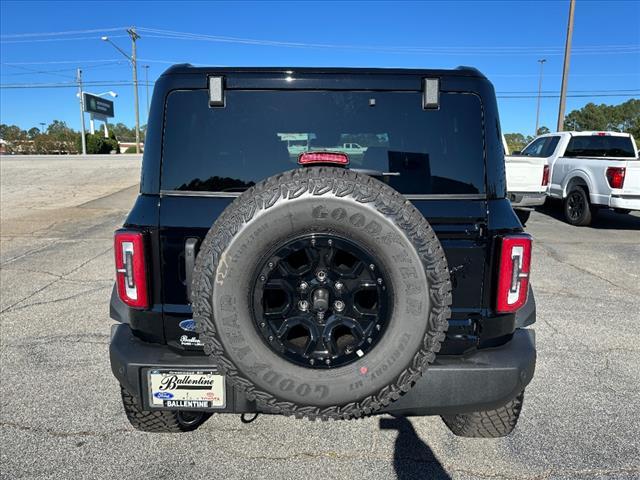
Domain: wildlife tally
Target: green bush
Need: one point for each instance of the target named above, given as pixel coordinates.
(131, 149)
(97, 144)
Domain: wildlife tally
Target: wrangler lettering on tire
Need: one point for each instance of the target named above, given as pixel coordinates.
(321, 310)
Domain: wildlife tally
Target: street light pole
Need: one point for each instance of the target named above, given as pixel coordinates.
(541, 62)
(133, 59)
(565, 69)
(84, 140)
(134, 36)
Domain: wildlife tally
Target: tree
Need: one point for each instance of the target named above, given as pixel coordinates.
(33, 132)
(16, 138)
(97, 144)
(63, 138)
(618, 118)
(516, 141)
(543, 130)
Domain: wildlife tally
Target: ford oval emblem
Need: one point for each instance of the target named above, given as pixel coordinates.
(188, 325)
(163, 395)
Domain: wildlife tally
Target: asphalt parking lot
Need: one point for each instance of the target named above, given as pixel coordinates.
(61, 415)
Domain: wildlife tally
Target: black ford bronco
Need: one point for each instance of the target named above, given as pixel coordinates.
(324, 243)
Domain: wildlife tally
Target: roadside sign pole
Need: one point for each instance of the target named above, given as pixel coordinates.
(565, 69)
(84, 140)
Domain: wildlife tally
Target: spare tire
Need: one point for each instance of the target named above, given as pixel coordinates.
(321, 293)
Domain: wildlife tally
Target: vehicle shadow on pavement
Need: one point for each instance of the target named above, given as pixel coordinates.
(604, 220)
(412, 458)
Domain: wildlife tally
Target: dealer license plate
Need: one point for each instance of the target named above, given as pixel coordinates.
(183, 389)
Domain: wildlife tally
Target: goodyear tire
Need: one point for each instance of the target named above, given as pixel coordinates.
(160, 421)
(361, 214)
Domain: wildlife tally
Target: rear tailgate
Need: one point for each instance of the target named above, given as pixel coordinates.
(524, 174)
(631, 184)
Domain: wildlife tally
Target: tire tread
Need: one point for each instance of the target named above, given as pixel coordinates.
(342, 183)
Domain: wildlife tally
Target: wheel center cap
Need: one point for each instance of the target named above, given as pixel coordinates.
(321, 300)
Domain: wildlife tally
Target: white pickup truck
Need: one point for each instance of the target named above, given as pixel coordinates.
(527, 175)
(589, 171)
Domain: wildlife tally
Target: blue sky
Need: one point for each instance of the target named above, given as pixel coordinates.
(503, 39)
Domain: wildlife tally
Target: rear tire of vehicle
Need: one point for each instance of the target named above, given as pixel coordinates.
(160, 421)
(523, 215)
(486, 424)
(316, 202)
(577, 209)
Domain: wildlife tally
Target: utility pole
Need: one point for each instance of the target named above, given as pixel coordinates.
(146, 80)
(565, 69)
(134, 36)
(84, 140)
(541, 62)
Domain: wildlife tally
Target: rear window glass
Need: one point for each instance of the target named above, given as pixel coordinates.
(261, 133)
(600, 146)
(542, 147)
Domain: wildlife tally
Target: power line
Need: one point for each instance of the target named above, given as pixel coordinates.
(46, 40)
(423, 50)
(66, 32)
(62, 62)
(505, 95)
(29, 71)
(443, 51)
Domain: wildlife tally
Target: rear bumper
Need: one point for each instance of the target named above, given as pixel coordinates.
(527, 199)
(627, 202)
(483, 380)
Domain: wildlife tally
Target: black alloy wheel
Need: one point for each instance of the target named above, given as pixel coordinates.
(576, 205)
(577, 209)
(321, 301)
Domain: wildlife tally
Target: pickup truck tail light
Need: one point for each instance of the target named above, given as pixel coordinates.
(545, 176)
(513, 274)
(131, 271)
(615, 176)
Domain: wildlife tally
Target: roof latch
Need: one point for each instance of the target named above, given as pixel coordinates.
(216, 91)
(430, 93)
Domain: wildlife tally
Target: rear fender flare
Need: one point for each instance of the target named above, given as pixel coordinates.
(577, 177)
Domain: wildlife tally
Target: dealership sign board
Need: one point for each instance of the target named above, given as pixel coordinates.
(99, 107)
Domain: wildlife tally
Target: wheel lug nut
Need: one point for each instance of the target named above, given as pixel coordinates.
(339, 285)
(330, 242)
(270, 264)
(262, 324)
(304, 286)
(262, 278)
(338, 305)
(372, 267)
(303, 305)
(271, 338)
(321, 275)
(327, 361)
(311, 361)
(379, 281)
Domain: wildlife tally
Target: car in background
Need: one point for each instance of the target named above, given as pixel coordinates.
(527, 175)
(589, 171)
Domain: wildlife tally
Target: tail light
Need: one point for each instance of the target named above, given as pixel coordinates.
(615, 176)
(323, 158)
(545, 176)
(513, 275)
(131, 271)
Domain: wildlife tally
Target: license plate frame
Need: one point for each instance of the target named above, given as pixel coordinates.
(185, 389)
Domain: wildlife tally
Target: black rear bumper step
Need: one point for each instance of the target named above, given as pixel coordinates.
(483, 380)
